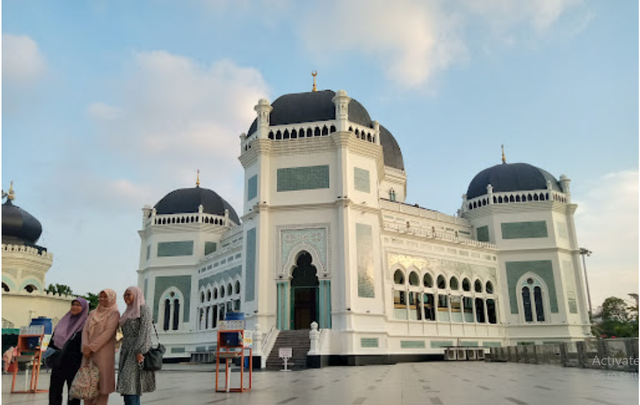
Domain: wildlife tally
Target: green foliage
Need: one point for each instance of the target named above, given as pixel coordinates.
(618, 319)
(92, 299)
(61, 289)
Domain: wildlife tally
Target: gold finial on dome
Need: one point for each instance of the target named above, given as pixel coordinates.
(314, 74)
(9, 194)
(198, 179)
(504, 159)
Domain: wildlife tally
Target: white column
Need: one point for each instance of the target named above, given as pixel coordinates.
(341, 101)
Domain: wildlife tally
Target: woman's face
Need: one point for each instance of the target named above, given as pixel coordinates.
(103, 299)
(129, 296)
(76, 308)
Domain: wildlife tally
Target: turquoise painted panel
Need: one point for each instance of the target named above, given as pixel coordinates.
(182, 283)
(292, 239)
(219, 277)
(412, 344)
(491, 344)
(524, 230)
(368, 342)
(469, 344)
(541, 268)
(169, 249)
(303, 178)
(201, 348)
(364, 242)
(178, 350)
(483, 233)
(361, 180)
(252, 188)
(210, 247)
(563, 233)
(250, 271)
(441, 343)
(148, 252)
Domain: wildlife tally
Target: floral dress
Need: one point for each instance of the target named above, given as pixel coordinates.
(132, 379)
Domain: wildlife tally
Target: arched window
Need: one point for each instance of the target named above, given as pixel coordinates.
(427, 281)
(453, 283)
(479, 310)
(206, 319)
(202, 297)
(209, 295)
(442, 283)
(5, 287)
(286, 134)
(222, 292)
(167, 315)
(278, 135)
(176, 314)
(309, 133)
(214, 317)
(489, 287)
(332, 129)
(398, 277)
(537, 297)
(237, 287)
(466, 285)
(491, 311)
(325, 131)
(30, 288)
(526, 304)
(477, 286)
(316, 132)
(414, 279)
(215, 293)
(294, 134)
(229, 289)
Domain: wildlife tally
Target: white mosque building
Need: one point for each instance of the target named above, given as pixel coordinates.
(325, 236)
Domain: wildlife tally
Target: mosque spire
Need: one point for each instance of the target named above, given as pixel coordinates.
(198, 179)
(504, 159)
(314, 74)
(9, 194)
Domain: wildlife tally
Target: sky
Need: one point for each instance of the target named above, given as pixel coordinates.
(109, 105)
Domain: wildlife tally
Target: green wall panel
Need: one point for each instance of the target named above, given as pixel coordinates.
(491, 344)
(524, 230)
(368, 342)
(178, 350)
(250, 262)
(364, 242)
(182, 283)
(541, 268)
(210, 247)
(169, 249)
(252, 188)
(361, 180)
(441, 343)
(412, 344)
(483, 233)
(303, 178)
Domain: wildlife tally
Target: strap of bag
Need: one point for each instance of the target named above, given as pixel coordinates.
(156, 330)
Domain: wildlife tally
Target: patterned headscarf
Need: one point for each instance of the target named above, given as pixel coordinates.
(133, 310)
(70, 324)
(99, 314)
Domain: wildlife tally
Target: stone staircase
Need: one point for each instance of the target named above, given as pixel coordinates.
(298, 341)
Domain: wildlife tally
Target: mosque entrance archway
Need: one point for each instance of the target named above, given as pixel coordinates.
(304, 293)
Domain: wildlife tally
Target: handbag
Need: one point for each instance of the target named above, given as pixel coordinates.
(153, 358)
(85, 384)
(51, 356)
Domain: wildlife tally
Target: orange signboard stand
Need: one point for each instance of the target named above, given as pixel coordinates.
(29, 351)
(231, 345)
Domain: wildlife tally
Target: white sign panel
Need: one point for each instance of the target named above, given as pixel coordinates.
(286, 352)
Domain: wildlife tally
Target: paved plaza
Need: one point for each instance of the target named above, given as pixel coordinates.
(407, 383)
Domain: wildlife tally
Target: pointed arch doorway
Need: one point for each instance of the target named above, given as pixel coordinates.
(304, 293)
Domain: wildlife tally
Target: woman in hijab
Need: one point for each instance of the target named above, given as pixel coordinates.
(136, 329)
(99, 344)
(67, 339)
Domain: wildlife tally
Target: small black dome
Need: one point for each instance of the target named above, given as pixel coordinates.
(318, 106)
(187, 200)
(18, 226)
(511, 177)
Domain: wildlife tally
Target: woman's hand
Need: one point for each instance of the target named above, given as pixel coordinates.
(139, 357)
(86, 352)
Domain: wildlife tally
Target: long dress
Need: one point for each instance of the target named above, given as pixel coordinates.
(103, 346)
(132, 379)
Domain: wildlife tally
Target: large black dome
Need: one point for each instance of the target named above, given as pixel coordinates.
(18, 226)
(511, 177)
(318, 106)
(186, 200)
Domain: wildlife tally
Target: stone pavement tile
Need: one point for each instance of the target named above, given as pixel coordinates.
(435, 383)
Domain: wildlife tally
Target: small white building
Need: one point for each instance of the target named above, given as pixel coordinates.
(325, 236)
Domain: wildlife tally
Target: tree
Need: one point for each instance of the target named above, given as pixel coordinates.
(618, 319)
(61, 289)
(92, 299)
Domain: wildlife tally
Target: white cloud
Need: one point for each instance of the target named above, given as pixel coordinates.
(607, 224)
(413, 40)
(103, 112)
(22, 61)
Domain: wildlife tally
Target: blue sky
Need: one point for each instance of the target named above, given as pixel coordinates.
(109, 105)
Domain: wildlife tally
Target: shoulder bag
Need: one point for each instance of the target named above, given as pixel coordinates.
(85, 383)
(153, 358)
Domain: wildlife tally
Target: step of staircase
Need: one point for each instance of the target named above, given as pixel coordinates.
(298, 341)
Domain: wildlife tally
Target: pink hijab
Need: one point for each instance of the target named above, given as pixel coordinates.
(133, 310)
(70, 324)
(99, 315)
